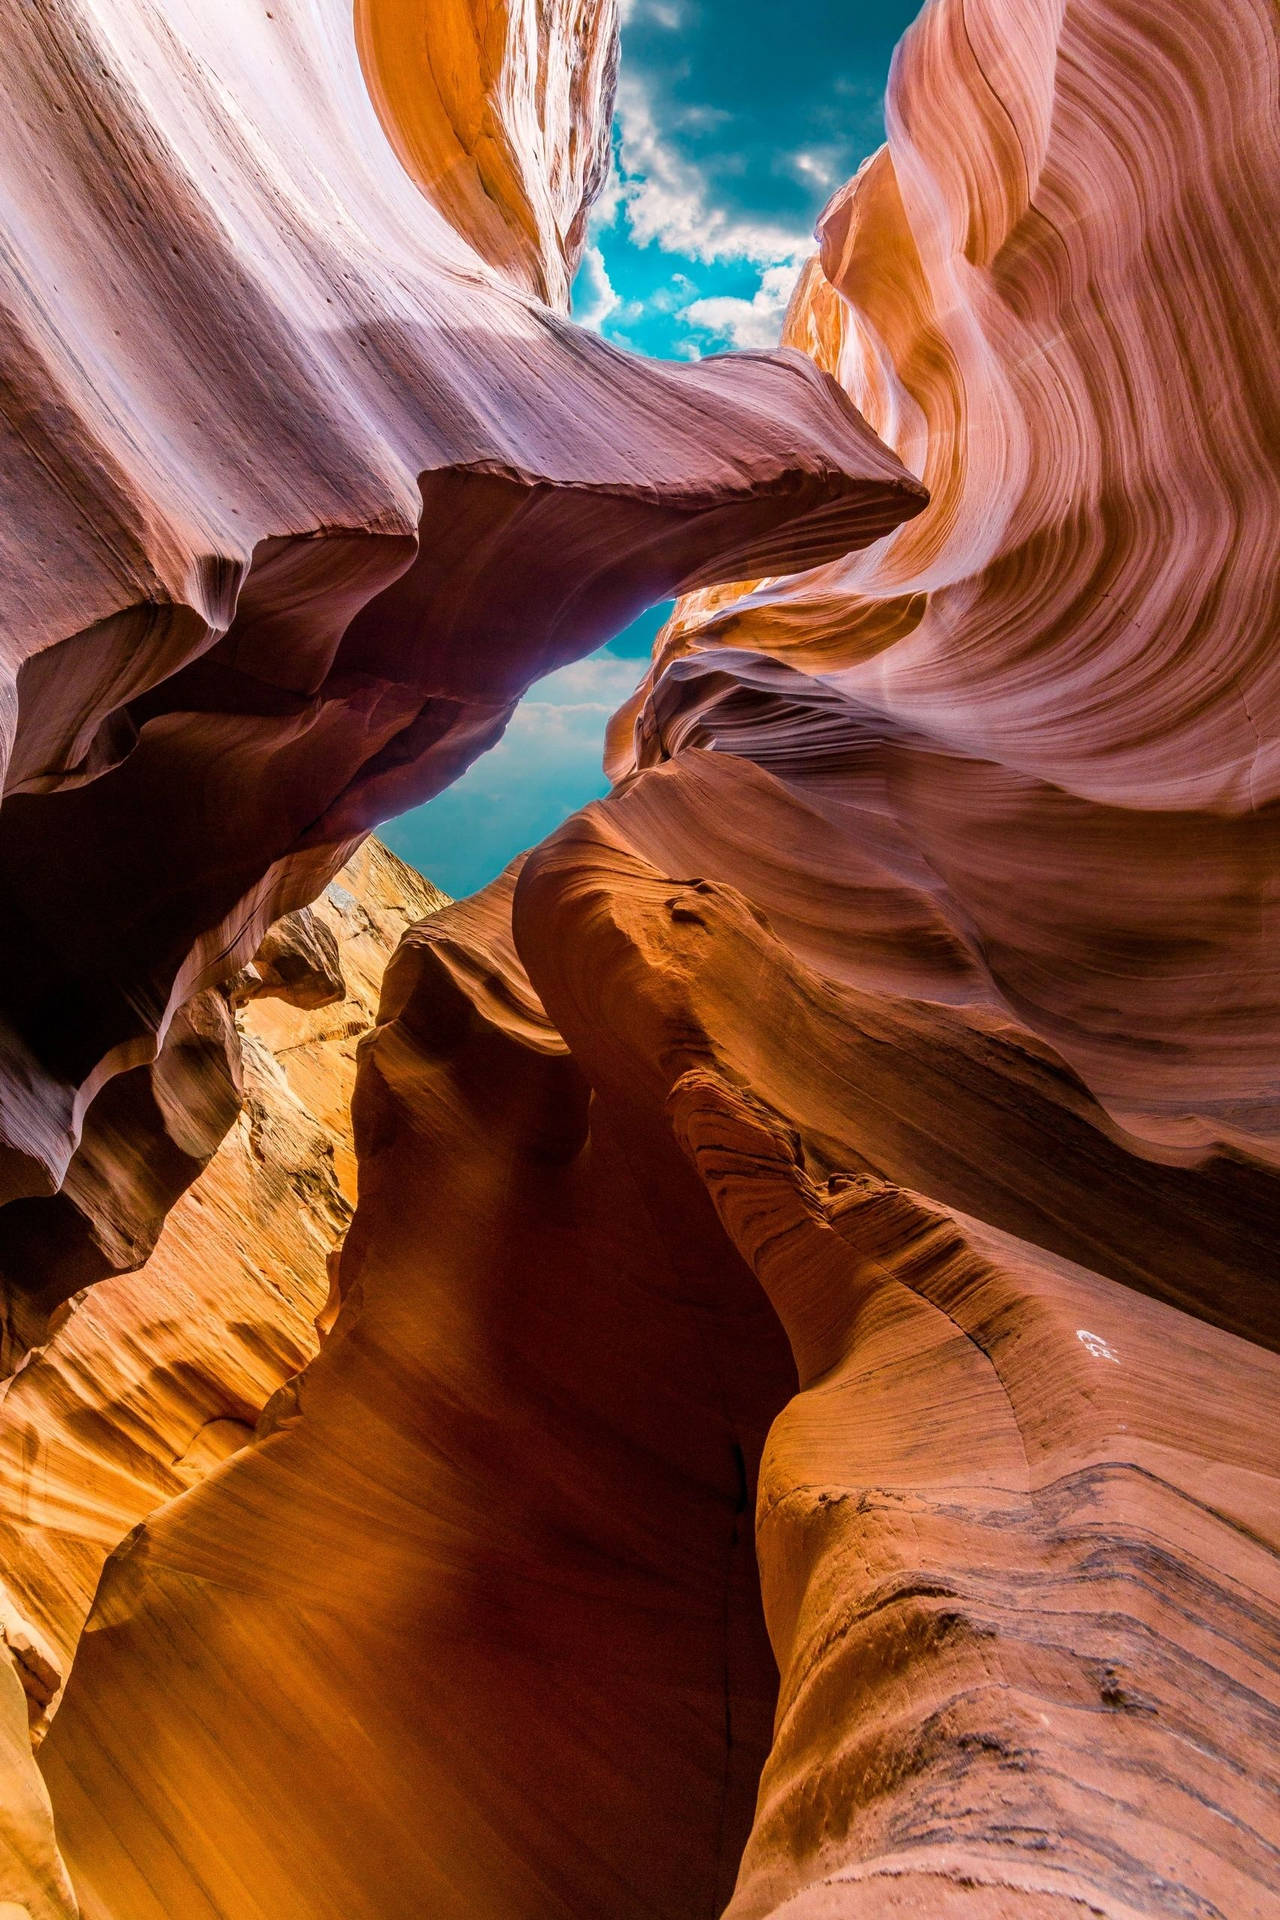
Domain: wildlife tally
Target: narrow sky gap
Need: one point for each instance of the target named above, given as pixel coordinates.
(735, 123)
(544, 768)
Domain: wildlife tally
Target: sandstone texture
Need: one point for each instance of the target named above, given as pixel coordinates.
(154, 1377)
(304, 484)
(1049, 709)
(1015, 1530)
(795, 1436)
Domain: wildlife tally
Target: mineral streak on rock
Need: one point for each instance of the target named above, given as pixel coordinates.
(303, 487)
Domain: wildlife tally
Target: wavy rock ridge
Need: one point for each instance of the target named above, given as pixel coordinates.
(303, 492)
(153, 1378)
(867, 1112)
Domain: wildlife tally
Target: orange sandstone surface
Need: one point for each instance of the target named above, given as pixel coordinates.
(153, 1377)
(796, 1429)
(302, 490)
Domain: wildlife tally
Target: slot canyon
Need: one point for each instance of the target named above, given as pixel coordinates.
(732, 1371)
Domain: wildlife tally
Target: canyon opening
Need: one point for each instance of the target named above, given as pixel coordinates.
(725, 1363)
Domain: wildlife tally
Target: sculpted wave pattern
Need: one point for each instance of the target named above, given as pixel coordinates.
(303, 487)
(1052, 700)
(491, 1571)
(868, 1109)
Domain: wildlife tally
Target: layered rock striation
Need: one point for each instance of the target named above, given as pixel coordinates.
(154, 1377)
(304, 485)
(1015, 1528)
(1051, 702)
(797, 1430)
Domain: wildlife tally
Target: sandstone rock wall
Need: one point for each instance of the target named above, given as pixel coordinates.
(1016, 1529)
(302, 491)
(153, 1377)
(864, 1118)
(1050, 705)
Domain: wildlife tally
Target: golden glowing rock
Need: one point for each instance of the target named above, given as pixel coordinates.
(304, 486)
(501, 114)
(153, 1377)
(866, 1114)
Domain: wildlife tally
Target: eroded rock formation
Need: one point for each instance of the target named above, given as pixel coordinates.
(1052, 702)
(1012, 1530)
(155, 1376)
(866, 1116)
(303, 488)
(152, 1378)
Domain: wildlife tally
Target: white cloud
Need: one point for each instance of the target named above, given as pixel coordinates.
(819, 167)
(664, 197)
(593, 296)
(663, 13)
(546, 765)
(677, 292)
(555, 738)
(747, 323)
(597, 684)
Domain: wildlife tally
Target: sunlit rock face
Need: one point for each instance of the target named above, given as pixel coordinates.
(153, 1378)
(501, 114)
(304, 484)
(1049, 705)
(864, 1116)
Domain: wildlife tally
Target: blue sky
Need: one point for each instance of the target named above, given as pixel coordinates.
(736, 120)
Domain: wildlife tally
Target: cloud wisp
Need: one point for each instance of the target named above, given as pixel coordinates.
(733, 128)
(735, 122)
